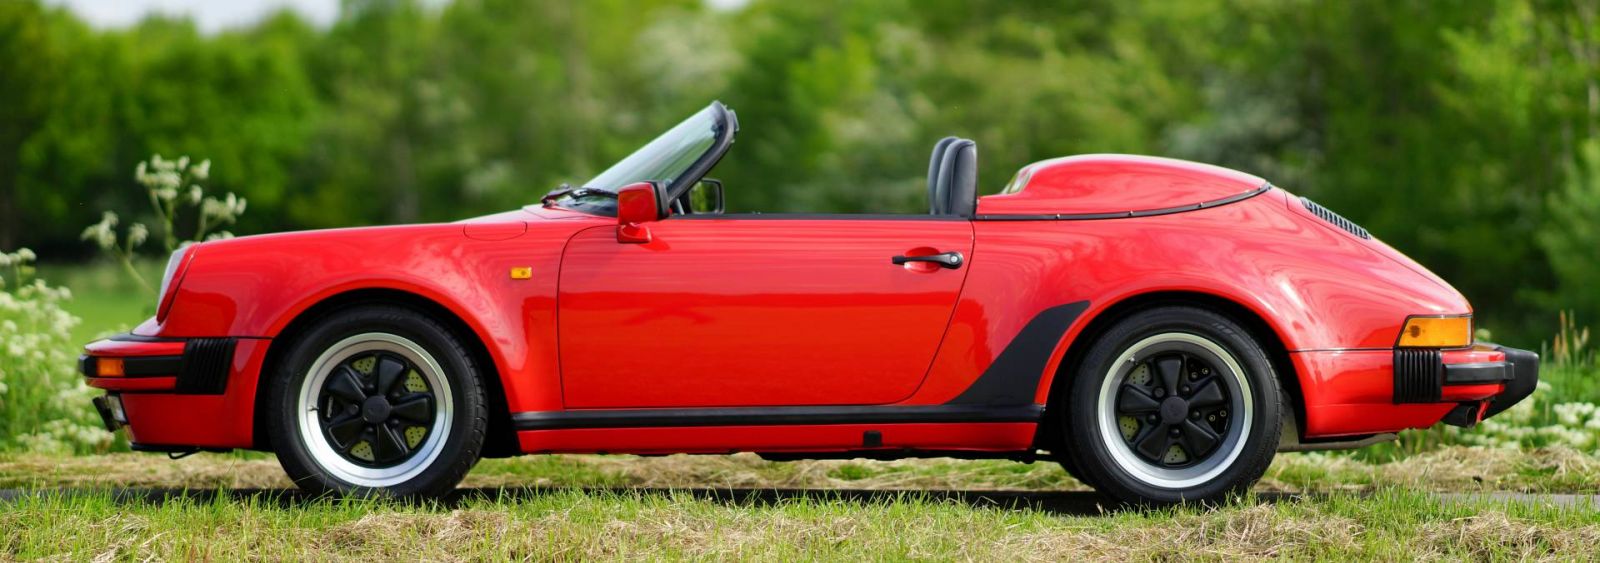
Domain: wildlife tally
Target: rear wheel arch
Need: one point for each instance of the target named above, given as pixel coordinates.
(1273, 343)
(501, 438)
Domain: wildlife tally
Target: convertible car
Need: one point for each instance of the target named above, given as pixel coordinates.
(1161, 328)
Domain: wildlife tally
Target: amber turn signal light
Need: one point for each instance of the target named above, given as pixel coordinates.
(1436, 332)
(109, 367)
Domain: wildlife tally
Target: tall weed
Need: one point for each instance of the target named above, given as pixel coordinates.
(44, 404)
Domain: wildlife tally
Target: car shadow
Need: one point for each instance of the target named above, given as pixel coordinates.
(1072, 503)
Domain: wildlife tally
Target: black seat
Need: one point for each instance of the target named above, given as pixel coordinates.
(953, 177)
(933, 172)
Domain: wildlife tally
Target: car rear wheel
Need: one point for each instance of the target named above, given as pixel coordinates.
(377, 400)
(1173, 404)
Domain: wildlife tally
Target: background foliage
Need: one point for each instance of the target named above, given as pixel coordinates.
(1466, 133)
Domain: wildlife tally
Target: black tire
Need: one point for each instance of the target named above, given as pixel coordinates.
(433, 359)
(1142, 456)
(1071, 465)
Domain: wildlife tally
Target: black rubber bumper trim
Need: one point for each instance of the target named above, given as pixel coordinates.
(1418, 375)
(1524, 379)
(772, 416)
(206, 365)
(203, 368)
(1476, 374)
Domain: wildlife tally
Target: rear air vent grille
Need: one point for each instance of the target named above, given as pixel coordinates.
(1418, 375)
(1337, 220)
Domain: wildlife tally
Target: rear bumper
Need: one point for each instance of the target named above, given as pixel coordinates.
(1359, 392)
(177, 391)
(1482, 381)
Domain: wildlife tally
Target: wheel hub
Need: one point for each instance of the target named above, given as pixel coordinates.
(376, 409)
(1173, 410)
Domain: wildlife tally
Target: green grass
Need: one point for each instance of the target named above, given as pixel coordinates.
(626, 507)
(656, 524)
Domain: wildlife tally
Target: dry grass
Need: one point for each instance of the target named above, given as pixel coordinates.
(639, 511)
(573, 525)
(1452, 469)
(1455, 469)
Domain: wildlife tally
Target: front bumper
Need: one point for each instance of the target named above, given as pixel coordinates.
(196, 392)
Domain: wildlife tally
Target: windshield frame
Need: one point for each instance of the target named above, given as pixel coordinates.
(724, 127)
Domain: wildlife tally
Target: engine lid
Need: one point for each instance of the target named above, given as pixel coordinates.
(1112, 184)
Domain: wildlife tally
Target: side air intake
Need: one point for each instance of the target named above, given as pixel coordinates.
(1337, 220)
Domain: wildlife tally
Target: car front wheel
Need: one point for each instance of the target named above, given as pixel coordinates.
(1173, 404)
(377, 400)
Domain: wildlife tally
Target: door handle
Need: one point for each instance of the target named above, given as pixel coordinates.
(949, 260)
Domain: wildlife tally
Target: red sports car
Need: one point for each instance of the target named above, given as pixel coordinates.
(1159, 327)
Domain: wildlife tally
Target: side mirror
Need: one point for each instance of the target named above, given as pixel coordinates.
(637, 204)
(706, 196)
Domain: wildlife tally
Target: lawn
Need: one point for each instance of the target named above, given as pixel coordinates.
(624, 507)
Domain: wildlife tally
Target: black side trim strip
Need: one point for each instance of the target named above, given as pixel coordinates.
(1014, 376)
(772, 416)
(1126, 214)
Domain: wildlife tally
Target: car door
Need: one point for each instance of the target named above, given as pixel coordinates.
(756, 311)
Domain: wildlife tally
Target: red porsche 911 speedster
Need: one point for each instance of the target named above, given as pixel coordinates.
(1161, 328)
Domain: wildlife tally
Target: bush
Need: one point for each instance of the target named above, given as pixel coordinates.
(44, 403)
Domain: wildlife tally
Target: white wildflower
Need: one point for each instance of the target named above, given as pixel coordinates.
(104, 233)
(137, 234)
(201, 171)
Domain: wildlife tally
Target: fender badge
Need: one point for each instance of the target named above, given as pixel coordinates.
(522, 273)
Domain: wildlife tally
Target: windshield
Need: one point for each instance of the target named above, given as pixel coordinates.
(664, 159)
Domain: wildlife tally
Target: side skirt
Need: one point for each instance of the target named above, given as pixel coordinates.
(880, 441)
(772, 416)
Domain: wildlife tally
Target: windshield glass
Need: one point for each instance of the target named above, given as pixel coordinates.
(665, 158)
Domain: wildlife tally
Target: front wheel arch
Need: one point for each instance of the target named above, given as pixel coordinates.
(1049, 437)
(501, 440)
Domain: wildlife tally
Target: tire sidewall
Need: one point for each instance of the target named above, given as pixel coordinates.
(461, 447)
(1091, 453)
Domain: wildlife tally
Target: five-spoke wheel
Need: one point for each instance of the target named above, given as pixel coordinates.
(1173, 404)
(377, 403)
(381, 399)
